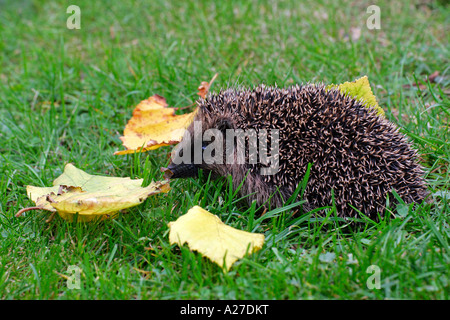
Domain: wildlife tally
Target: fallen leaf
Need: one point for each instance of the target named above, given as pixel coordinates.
(153, 125)
(207, 234)
(360, 90)
(167, 173)
(204, 87)
(417, 85)
(432, 78)
(91, 196)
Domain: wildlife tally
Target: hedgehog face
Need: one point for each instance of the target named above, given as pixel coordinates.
(203, 147)
(220, 146)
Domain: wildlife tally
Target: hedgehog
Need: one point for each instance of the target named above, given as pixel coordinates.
(354, 156)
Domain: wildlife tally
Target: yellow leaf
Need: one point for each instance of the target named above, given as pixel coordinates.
(91, 196)
(207, 234)
(360, 90)
(153, 125)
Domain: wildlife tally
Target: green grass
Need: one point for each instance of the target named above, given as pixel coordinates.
(66, 95)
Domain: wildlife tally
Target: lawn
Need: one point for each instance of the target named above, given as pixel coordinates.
(66, 95)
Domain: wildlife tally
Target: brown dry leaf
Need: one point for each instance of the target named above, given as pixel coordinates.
(432, 78)
(154, 125)
(204, 87)
(91, 196)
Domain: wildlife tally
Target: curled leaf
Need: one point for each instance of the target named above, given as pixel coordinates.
(154, 125)
(360, 90)
(167, 173)
(204, 87)
(207, 234)
(91, 196)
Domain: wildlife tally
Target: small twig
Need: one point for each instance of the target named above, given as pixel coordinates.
(264, 212)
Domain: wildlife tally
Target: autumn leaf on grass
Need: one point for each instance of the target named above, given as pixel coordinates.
(207, 234)
(153, 125)
(360, 90)
(204, 87)
(91, 196)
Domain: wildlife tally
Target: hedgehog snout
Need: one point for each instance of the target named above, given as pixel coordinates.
(186, 167)
(183, 170)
